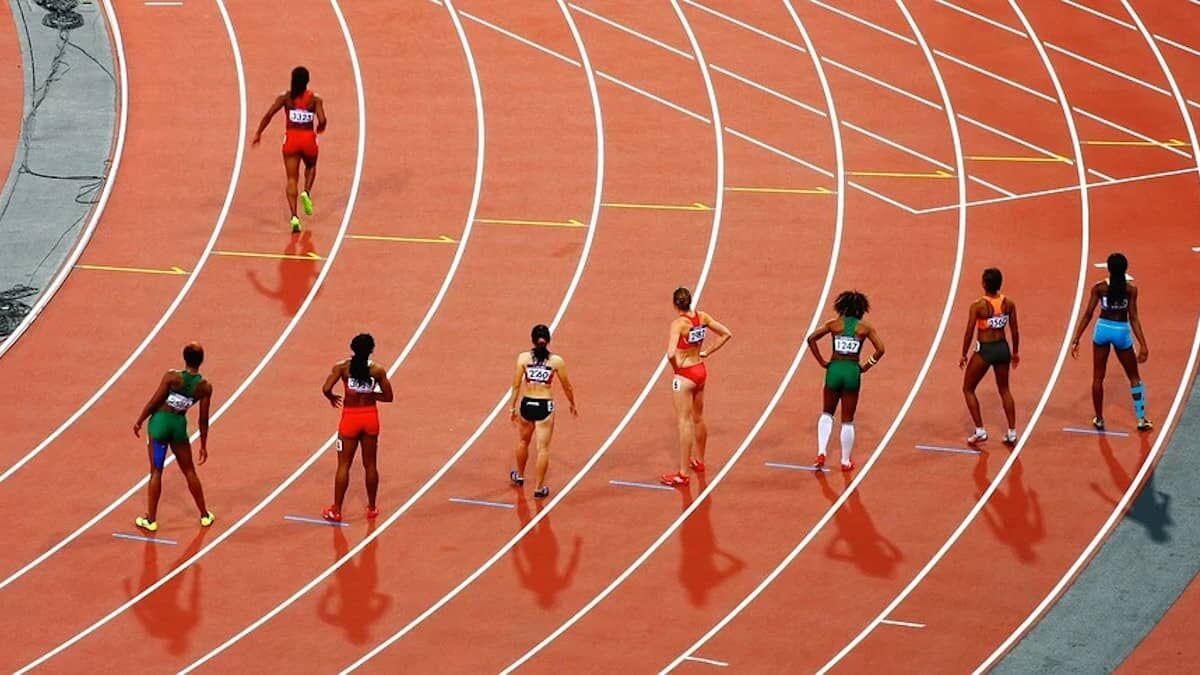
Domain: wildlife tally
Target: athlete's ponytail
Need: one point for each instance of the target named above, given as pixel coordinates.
(360, 364)
(540, 336)
(299, 82)
(1118, 286)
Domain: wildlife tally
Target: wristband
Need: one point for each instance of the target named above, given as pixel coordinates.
(872, 361)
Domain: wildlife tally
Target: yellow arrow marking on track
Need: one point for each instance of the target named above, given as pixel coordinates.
(791, 191)
(903, 174)
(278, 256)
(1171, 143)
(1018, 158)
(441, 239)
(694, 206)
(174, 271)
(535, 223)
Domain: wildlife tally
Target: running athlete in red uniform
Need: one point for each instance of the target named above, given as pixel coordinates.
(986, 320)
(365, 382)
(686, 354)
(305, 119)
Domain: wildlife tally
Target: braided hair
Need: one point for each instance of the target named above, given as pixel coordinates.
(360, 364)
(1118, 285)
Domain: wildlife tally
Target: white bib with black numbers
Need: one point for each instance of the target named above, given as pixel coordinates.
(180, 402)
(538, 373)
(367, 386)
(697, 335)
(846, 345)
(997, 322)
(301, 116)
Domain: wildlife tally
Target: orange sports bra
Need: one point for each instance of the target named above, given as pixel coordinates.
(539, 372)
(998, 318)
(695, 335)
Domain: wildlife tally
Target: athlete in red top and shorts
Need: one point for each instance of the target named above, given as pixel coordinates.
(365, 383)
(686, 354)
(305, 119)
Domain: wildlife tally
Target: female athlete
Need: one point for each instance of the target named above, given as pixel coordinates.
(842, 371)
(365, 383)
(532, 382)
(167, 409)
(1117, 326)
(305, 119)
(686, 354)
(986, 320)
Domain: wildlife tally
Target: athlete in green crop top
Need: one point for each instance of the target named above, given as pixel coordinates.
(843, 370)
(167, 410)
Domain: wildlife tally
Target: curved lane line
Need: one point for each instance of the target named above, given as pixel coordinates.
(118, 149)
(333, 252)
(951, 292)
(1085, 215)
(1136, 484)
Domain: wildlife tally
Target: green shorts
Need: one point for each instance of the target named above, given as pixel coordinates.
(843, 375)
(167, 427)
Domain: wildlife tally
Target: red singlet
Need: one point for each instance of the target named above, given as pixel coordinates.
(694, 340)
(300, 138)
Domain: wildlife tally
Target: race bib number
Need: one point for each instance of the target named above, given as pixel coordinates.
(846, 344)
(179, 402)
(997, 322)
(539, 374)
(366, 386)
(675, 383)
(301, 116)
(697, 335)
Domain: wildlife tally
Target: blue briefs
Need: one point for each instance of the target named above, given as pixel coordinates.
(1115, 333)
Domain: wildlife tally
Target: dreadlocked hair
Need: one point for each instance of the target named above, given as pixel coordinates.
(852, 303)
(360, 364)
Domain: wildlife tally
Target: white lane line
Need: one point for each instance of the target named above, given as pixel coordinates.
(701, 283)
(491, 417)
(148, 540)
(525, 41)
(110, 179)
(1096, 432)
(482, 502)
(637, 484)
(653, 97)
(874, 80)
(745, 26)
(797, 467)
(316, 521)
(1064, 348)
(834, 254)
(351, 199)
(927, 158)
(767, 90)
(980, 17)
(1107, 69)
(857, 19)
(930, 356)
(942, 448)
(1135, 485)
(711, 662)
(905, 624)
(1059, 190)
(630, 31)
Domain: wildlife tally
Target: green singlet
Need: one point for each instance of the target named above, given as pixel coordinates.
(845, 374)
(171, 426)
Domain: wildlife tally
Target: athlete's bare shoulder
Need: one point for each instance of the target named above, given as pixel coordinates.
(378, 371)
(556, 361)
(524, 358)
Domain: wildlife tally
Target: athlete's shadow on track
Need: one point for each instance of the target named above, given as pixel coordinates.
(353, 603)
(1150, 509)
(536, 558)
(1015, 517)
(857, 540)
(162, 615)
(296, 277)
(700, 568)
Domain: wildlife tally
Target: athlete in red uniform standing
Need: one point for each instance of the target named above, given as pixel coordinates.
(305, 119)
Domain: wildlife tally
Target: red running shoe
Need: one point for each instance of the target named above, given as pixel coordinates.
(848, 466)
(674, 479)
(372, 514)
(820, 461)
(696, 465)
(331, 515)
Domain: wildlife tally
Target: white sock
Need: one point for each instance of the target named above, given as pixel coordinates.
(824, 429)
(847, 442)
(1012, 432)
(979, 431)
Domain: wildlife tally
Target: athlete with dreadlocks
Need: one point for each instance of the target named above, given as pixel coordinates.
(365, 383)
(305, 119)
(1116, 328)
(531, 406)
(987, 319)
(843, 370)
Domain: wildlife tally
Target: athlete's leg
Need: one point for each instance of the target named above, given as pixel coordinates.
(1006, 397)
(1099, 370)
(849, 406)
(524, 435)
(1137, 390)
(976, 369)
(829, 402)
(310, 174)
(154, 488)
(183, 457)
(291, 164)
(544, 432)
(347, 446)
(370, 447)
(699, 428)
(682, 390)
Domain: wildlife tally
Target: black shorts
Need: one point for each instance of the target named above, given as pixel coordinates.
(536, 409)
(994, 353)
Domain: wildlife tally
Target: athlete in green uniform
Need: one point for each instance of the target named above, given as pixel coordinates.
(167, 409)
(843, 371)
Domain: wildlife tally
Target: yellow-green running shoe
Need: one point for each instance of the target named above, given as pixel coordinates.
(146, 524)
(296, 224)
(306, 202)
(207, 519)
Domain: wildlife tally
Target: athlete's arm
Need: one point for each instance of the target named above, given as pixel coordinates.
(1016, 333)
(721, 331)
(1136, 324)
(815, 348)
(971, 312)
(561, 369)
(877, 344)
(516, 388)
(266, 118)
(385, 394)
(1093, 300)
(320, 110)
(160, 395)
(673, 345)
(205, 403)
(327, 388)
